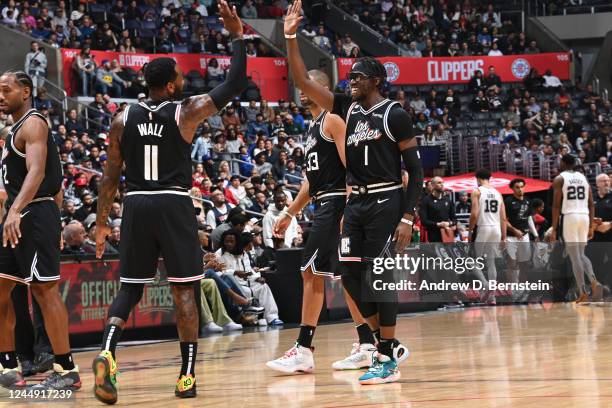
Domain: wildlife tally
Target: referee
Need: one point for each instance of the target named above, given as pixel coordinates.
(437, 211)
(600, 247)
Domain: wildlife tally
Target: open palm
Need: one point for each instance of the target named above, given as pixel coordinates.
(293, 18)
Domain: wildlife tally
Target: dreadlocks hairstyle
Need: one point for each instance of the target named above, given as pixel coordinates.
(24, 80)
(159, 72)
(375, 67)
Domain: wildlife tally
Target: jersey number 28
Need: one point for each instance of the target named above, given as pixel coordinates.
(575, 193)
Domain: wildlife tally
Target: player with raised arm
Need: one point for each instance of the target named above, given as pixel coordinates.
(325, 185)
(379, 136)
(30, 252)
(572, 221)
(488, 224)
(153, 138)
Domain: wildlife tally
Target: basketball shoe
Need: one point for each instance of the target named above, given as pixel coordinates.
(60, 379)
(296, 359)
(11, 377)
(186, 387)
(105, 377)
(361, 357)
(383, 370)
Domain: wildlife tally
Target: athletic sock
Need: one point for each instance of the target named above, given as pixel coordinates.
(306, 335)
(365, 334)
(376, 334)
(9, 359)
(385, 347)
(189, 350)
(112, 333)
(65, 360)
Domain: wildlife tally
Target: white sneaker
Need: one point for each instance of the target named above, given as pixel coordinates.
(296, 359)
(212, 327)
(361, 357)
(233, 326)
(262, 322)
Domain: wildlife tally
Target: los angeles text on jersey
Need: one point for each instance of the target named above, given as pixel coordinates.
(363, 133)
(425, 285)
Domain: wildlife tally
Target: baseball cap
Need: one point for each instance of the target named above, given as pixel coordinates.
(141, 95)
(102, 135)
(90, 221)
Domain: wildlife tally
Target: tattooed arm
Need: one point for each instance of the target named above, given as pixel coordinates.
(109, 184)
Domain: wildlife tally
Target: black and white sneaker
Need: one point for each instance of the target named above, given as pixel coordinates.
(60, 379)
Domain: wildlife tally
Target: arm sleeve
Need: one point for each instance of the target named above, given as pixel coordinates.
(236, 80)
(341, 104)
(400, 124)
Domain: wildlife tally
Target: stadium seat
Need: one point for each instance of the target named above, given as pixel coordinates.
(180, 48)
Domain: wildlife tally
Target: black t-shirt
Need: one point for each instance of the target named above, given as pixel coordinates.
(518, 213)
(372, 137)
(603, 210)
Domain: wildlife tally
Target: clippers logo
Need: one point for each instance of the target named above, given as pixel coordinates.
(345, 246)
(520, 68)
(363, 133)
(393, 71)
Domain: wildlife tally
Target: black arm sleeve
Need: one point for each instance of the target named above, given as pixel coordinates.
(341, 104)
(412, 163)
(400, 124)
(236, 80)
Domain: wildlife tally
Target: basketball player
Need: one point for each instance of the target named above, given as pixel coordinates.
(30, 251)
(518, 226)
(325, 184)
(379, 135)
(572, 220)
(487, 223)
(154, 139)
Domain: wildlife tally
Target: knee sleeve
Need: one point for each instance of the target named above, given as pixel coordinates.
(351, 279)
(127, 298)
(387, 313)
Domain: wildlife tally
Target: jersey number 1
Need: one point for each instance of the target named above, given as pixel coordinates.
(150, 163)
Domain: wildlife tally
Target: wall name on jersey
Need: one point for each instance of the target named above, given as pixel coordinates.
(150, 129)
(363, 133)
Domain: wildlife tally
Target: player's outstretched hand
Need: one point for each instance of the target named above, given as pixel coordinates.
(102, 231)
(402, 237)
(11, 232)
(281, 225)
(230, 19)
(293, 18)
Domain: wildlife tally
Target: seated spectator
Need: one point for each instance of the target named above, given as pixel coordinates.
(201, 149)
(321, 39)
(533, 81)
(258, 128)
(480, 103)
(262, 165)
(532, 49)
(551, 81)
(477, 82)
(495, 51)
(413, 52)
(261, 203)
(509, 133)
(218, 214)
(238, 266)
(214, 316)
(348, 45)
(417, 104)
(495, 103)
(274, 211)
(215, 75)
(248, 10)
(463, 206)
(74, 240)
(107, 80)
(90, 243)
(492, 80)
(309, 32)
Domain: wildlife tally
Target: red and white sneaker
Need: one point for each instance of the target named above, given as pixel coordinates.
(297, 359)
(361, 357)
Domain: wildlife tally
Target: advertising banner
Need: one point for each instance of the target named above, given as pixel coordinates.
(459, 70)
(270, 74)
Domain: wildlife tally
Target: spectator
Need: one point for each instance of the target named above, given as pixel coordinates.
(309, 32)
(533, 81)
(218, 214)
(480, 103)
(36, 65)
(463, 206)
(477, 82)
(508, 133)
(492, 80)
(262, 166)
(248, 10)
(495, 51)
(73, 123)
(532, 49)
(348, 45)
(437, 213)
(261, 203)
(201, 149)
(413, 52)
(274, 211)
(107, 80)
(417, 104)
(322, 40)
(551, 81)
(74, 240)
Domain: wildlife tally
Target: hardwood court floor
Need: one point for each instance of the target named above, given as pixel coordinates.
(515, 356)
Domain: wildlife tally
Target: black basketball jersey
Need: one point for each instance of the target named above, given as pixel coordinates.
(372, 154)
(14, 170)
(324, 169)
(518, 213)
(156, 156)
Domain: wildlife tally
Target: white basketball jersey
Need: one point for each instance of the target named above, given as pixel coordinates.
(490, 206)
(575, 193)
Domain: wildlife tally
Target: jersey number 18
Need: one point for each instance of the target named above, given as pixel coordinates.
(490, 206)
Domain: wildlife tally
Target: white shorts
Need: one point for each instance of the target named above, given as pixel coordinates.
(519, 249)
(575, 228)
(487, 240)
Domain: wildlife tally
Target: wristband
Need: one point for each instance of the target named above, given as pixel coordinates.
(407, 221)
(290, 36)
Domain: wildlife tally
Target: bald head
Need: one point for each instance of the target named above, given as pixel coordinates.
(603, 183)
(437, 183)
(74, 234)
(320, 77)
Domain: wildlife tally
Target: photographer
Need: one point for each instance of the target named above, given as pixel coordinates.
(36, 65)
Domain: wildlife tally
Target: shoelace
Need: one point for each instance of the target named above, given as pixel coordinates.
(290, 353)
(54, 376)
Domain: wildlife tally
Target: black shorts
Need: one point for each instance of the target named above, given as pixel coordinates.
(370, 221)
(159, 224)
(321, 250)
(36, 258)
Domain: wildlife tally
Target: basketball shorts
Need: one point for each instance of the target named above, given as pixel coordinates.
(487, 240)
(574, 228)
(159, 224)
(370, 221)
(519, 249)
(36, 258)
(321, 250)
